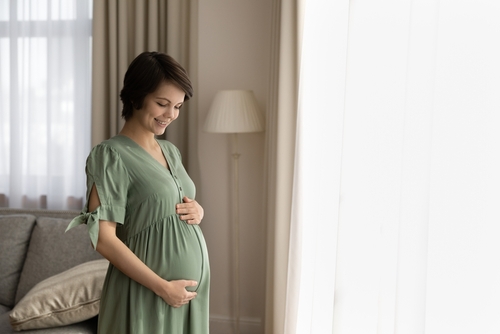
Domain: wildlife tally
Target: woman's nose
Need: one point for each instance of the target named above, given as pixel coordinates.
(170, 112)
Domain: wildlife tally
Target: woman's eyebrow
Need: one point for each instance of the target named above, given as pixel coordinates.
(164, 98)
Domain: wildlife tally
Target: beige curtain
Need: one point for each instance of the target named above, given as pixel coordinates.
(280, 146)
(121, 30)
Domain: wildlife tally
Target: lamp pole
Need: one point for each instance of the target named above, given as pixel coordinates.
(236, 229)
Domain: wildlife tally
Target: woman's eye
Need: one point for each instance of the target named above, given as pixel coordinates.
(161, 105)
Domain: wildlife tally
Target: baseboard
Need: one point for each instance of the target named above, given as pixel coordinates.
(220, 324)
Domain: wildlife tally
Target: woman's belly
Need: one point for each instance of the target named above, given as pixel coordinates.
(173, 249)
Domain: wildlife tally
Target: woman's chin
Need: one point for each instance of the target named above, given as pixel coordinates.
(159, 132)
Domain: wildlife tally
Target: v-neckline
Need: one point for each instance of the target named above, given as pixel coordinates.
(165, 155)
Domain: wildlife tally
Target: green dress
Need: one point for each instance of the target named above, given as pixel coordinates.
(140, 195)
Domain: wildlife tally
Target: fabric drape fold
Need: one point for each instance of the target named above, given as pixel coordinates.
(280, 147)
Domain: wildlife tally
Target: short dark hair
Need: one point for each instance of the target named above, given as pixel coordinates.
(144, 75)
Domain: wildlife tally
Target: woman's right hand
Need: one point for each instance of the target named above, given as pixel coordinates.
(174, 293)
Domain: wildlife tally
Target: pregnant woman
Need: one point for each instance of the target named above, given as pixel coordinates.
(141, 213)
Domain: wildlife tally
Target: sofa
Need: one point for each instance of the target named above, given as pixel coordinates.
(50, 280)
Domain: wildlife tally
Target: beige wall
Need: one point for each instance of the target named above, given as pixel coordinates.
(233, 53)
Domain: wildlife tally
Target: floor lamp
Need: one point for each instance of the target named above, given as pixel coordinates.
(233, 112)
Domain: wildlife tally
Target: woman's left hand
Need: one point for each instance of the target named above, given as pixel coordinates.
(190, 211)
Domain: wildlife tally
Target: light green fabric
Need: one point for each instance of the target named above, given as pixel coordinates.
(138, 193)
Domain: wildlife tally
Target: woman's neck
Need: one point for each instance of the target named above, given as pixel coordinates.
(145, 139)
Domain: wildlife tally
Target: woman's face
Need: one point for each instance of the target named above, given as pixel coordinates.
(160, 108)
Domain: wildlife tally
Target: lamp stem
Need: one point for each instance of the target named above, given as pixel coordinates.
(236, 229)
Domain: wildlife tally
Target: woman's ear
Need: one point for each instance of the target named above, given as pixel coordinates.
(136, 106)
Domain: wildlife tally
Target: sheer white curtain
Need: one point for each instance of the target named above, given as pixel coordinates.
(45, 56)
(395, 222)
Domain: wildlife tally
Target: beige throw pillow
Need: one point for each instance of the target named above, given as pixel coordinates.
(69, 297)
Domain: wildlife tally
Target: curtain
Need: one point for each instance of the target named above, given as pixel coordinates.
(280, 147)
(122, 30)
(394, 225)
(44, 102)
(315, 209)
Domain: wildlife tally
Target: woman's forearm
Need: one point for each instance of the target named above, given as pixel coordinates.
(118, 254)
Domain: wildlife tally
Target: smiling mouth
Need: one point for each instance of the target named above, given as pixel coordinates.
(161, 122)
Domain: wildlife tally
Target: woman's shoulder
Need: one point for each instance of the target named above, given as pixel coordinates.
(111, 146)
(107, 155)
(116, 142)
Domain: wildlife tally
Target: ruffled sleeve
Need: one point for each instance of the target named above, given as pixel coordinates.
(106, 170)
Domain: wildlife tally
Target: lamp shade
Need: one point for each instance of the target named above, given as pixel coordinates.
(234, 111)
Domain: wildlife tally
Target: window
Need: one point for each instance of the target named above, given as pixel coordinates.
(395, 219)
(45, 72)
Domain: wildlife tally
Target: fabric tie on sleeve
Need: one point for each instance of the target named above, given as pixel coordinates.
(91, 219)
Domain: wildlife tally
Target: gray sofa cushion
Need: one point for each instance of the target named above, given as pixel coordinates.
(4, 309)
(15, 232)
(51, 251)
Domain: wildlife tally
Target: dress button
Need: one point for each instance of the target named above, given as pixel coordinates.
(180, 188)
